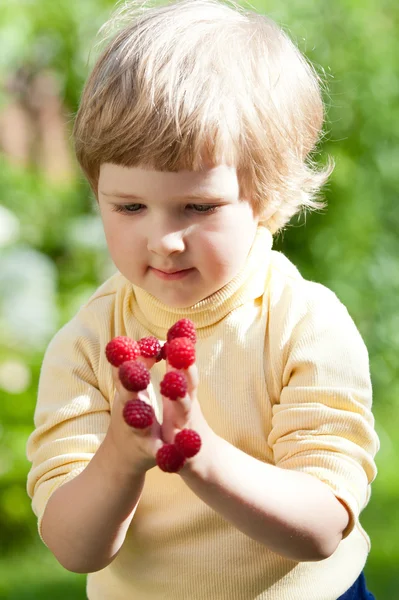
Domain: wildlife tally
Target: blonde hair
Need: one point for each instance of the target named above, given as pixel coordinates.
(193, 81)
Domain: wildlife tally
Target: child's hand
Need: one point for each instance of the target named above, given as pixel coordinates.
(183, 413)
(141, 441)
(137, 447)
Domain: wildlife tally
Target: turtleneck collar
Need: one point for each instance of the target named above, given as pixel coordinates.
(247, 285)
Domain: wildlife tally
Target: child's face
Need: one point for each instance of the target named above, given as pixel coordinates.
(169, 240)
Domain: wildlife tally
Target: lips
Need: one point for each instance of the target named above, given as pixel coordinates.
(171, 275)
(167, 272)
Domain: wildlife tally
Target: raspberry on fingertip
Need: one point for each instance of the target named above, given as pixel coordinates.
(181, 353)
(170, 459)
(134, 376)
(149, 346)
(138, 414)
(188, 442)
(174, 385)
(183, 328)
(121, 349)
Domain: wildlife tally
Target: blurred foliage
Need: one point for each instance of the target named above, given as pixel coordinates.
(53, 253)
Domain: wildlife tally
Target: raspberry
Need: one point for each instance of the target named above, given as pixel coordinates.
(188, 442)
(121, 349)
(181, 353)
(149, 347)
(162, 352)
(138, 414)
(174, 385)
(169, 458)
(183, 328)
(134, 376)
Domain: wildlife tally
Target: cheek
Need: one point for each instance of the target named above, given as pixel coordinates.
(225, 248)
(215, 250)
(119, 236)
(110, 227)
(114, 243)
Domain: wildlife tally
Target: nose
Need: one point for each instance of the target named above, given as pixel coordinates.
(165, 240)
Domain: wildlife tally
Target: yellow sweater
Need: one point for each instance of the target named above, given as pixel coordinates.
(284, 376)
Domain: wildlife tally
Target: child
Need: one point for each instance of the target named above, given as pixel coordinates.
(194, 131)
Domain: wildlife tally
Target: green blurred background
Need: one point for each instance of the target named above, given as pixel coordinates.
(53, 254)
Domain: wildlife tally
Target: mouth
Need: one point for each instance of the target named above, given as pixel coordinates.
(171, 275)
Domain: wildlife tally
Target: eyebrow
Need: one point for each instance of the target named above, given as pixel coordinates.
(203, 197)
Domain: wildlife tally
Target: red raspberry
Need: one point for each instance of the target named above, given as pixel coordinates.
(181, 353)
(149, 346)
(162, 352)
(169, 458)
(183, 328)
(188, 442)
(138, 414)
(134, 376)
(174, 385)
(121, 349)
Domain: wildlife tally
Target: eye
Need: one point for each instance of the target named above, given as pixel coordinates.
(127, 208)
(203, 208)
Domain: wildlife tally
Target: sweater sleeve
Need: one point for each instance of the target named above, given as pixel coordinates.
(322, 423)
(72, 414)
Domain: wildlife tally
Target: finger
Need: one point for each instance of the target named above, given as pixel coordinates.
(191, 375)
(154, 430)
(181, 406)
(192, 379)
(125, 395)
(147, 362)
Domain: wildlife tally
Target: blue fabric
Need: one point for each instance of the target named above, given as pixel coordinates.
(358, 591)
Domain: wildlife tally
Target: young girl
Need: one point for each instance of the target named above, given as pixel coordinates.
(194, 131)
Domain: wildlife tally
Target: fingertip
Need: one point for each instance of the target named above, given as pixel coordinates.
(147, 362)
(123, 394)
(191, 375)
